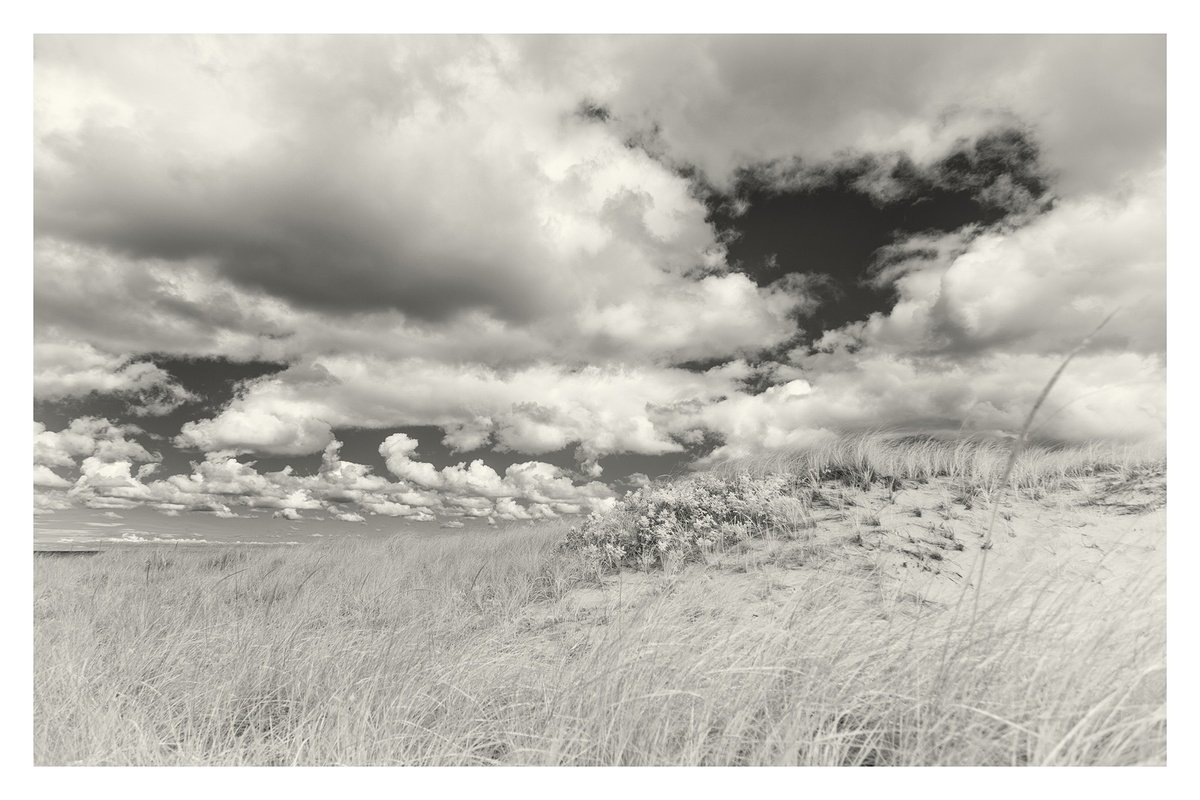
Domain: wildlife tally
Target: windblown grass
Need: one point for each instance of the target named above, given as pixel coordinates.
(470, 650)
(976, 463)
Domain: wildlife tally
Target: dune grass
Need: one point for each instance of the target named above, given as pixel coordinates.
(470, 649)
(972, 462)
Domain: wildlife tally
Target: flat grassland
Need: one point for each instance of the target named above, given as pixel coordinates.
(874, 602)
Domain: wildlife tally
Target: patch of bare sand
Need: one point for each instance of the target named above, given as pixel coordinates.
(893, 551)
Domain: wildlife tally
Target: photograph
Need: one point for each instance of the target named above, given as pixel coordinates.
(597, 400)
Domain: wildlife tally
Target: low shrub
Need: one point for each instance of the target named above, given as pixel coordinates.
(681, 520)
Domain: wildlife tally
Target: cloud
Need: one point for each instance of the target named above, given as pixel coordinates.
(95, 473)
(397, 450)
(537, 409)
(982, 318)
(357, 207)
(75, 369)
(220, 484)
(1110, 397)
(476, 489)
(45, 477)
(981, 322)
(190, 310)
(1039, 288)
(520, 231)
(48, 502)
(87, 437)
(254, 431)
(1096, 103)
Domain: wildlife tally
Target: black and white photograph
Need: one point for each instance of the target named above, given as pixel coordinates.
(597, 400)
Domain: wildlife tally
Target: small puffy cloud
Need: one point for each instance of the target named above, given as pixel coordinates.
(346, 477)
(347, 491)
(510, 509)
(224, 475)
(45, 477)
(545, 483)
(591, 468)
(87, 436)
(95, 473)
(278, 431)
(59, 449)
(75, 369)
(472, 435)
(476, 489)
(397, 450)
(476, 478)
(637, 480)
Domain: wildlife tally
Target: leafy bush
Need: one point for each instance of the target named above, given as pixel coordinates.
(683, 519)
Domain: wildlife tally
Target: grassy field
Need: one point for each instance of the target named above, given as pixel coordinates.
(849, 626)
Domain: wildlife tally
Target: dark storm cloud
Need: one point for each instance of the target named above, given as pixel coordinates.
(429, 176)
(1098, 103)
(309, 225)
(365, 173)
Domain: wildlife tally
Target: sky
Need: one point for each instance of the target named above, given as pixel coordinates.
(321, 286)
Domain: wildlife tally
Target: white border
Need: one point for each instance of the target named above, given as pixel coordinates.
(622, 16)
